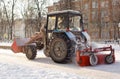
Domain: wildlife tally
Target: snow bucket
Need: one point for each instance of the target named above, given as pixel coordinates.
(19, 44)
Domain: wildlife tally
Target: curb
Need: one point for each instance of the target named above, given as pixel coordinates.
(5, 47)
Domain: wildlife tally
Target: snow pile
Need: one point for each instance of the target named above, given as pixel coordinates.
(10, 71)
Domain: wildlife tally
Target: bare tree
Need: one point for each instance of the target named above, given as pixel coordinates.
(0, 21)
(12, 19)
(116, 18)
(9, 17)
(40, 9)
(116, 11)
(32, 12)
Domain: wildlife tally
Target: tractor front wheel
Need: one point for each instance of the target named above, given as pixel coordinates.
(31, 52)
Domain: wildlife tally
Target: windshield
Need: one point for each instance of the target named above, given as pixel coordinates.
(74, 23)
(64, 21)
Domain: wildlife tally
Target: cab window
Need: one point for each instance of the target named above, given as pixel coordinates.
(62, 22)
(51, 22)
(74, 23)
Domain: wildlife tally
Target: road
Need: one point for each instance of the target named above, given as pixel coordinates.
(96, 72)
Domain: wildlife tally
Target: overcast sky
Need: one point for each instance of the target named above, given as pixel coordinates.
(49, 3)
(52, 1)
(20, 4)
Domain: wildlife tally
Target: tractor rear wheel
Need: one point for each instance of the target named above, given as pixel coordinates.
(31, 52)
(46, 52)
(58, 50)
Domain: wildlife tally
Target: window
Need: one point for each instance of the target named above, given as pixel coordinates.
(62, 22)
(94, 14)
(74, 23)
(115, 2)
(86, 6)
(74, 0)
(94, 4)
(102, 4)
(106, 4)
(51, 22)
(85, 17)
(103, 13)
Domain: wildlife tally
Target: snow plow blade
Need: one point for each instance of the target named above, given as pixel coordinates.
(18, 44)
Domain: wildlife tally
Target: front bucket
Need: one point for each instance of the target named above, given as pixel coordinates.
(18, 44)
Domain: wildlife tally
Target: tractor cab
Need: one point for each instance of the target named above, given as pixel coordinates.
(61, 22)
(67, 20)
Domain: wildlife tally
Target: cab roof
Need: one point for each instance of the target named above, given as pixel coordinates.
(64, 12)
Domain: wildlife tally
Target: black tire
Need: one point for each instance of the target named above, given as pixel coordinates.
(58, 50)
(109, 59)
(31, 52)
(93, 59)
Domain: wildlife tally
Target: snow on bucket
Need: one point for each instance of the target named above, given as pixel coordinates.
(18, 44)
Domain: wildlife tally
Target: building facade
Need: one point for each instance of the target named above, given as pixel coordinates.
(101, 17)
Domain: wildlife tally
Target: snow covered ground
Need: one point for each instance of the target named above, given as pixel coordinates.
(5, 43)
(17, 66)
(14, 71)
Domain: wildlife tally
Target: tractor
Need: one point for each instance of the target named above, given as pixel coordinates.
(62, 35)
(58, 37)
(63, 30)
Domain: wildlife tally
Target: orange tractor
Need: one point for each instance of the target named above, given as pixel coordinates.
(62, 37)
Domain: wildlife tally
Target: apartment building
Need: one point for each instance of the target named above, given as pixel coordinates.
(101, 17)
